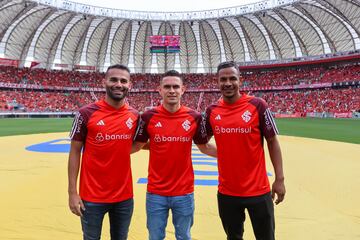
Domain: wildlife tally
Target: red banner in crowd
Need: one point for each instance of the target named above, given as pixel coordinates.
(343, 115)
(313, 85)
(9, 62)
(61, 65)
(282, 115)
(85, 67)
(34, 64)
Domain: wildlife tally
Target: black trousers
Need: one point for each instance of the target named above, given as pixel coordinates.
(261, 212)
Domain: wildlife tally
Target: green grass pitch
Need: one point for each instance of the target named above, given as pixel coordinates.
(344, 130)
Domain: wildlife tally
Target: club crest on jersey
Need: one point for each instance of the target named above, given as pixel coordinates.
(99, 137)
(246, 116)
(129, 123)
(186, 125)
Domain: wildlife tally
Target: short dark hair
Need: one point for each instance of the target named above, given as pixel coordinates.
(118, 66)
(172, 73)
(228, 65)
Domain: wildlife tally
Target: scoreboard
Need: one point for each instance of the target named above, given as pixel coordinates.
(165, 44)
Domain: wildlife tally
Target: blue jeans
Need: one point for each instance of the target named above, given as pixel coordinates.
(157, 210)
(119, 214)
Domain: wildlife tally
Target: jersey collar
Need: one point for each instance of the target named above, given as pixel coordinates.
(109, 107)
(242, 98)
(163, 109)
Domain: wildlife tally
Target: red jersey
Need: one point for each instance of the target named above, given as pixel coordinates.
(170, 168)
(107, 134)
(239, 130)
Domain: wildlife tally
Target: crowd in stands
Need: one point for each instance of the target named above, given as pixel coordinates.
(191, 81)
(282, 77)
(39, 101)
(302, 76)
(44, 77)
(324, 100)
(290, 101)
(292, 76)
(341, 74)
(304, 101)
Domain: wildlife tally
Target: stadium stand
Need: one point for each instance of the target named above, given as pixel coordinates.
(202, 89)
(303, 58)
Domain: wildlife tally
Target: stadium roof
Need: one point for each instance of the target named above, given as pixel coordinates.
(166, 5)
(73, 34)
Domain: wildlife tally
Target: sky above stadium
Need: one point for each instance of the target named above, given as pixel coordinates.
(167, 6)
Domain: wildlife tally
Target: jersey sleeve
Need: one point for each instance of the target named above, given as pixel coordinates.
(206, 120)
(200, 136)
(267, 124)
(79, 130)
(137, 123)
(142, 134)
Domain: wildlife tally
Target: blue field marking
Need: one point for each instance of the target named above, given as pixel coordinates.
(206, 173)
(203, 158)
(198, 159)
(206, 182)
(205, 163)
(142, 181)
(51, 146)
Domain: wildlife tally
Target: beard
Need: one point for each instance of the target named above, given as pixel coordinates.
(115, 96)
(228, 91)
